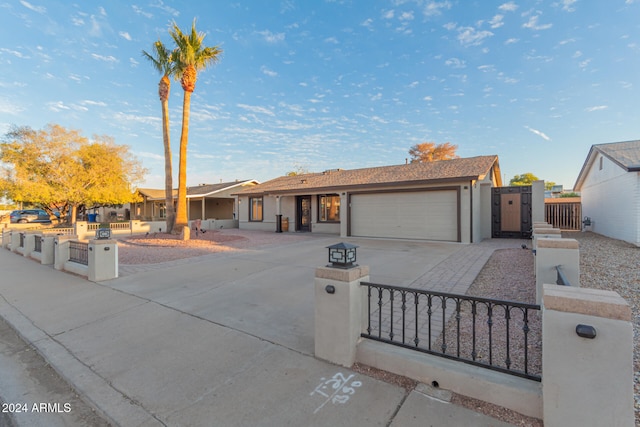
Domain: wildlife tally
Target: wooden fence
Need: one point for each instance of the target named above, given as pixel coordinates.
(564, 213)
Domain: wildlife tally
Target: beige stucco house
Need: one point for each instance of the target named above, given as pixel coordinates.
(205, 201)
(448, 200)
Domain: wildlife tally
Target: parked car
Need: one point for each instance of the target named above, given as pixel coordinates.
(30, 215)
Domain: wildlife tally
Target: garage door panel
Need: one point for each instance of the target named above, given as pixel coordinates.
(430, 215)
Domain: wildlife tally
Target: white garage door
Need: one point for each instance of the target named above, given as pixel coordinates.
(429, 215)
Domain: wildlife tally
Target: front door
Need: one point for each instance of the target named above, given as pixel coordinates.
(303, 217)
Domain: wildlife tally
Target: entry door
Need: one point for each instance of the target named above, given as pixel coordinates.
(303, 219)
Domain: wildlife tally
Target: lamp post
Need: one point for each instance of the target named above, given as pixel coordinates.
(342, 255)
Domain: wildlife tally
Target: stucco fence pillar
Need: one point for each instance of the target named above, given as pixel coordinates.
(103, 260)
(61, 250)
(339, 312)
(551, 253)
(587, 380)
(46, 255)
(6, 239)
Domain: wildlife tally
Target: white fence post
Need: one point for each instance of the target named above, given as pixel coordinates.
(587, 358)
(338, 313)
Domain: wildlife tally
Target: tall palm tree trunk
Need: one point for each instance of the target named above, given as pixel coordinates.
(164, 86)
(182, 222)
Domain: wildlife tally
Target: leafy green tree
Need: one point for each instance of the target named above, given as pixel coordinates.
(430, 152)
(161, 60)
(190, 56)
(59, 167)
(523, 179)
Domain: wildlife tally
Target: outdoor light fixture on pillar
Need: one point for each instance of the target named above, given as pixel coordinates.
(342, 255)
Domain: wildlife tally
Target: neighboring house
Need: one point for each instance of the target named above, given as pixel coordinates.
(609, 183)
(447, 200)
(205, 201)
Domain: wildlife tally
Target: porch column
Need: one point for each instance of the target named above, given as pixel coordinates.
(203, 209)
(278, 214)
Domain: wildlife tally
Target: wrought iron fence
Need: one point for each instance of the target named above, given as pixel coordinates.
(79, 252)
(37, 247)
(493, 334)
(21, 244)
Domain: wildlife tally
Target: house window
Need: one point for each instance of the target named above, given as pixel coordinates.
(601, 163)
(163, 210)
(255, 208)
(329, 208)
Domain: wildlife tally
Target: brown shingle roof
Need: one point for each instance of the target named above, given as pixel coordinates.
(412, 173)
(625, 154)
(195, 191)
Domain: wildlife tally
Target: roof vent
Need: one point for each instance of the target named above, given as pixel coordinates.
(303, 181)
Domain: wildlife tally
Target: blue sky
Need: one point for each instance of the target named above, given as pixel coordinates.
(323, 84)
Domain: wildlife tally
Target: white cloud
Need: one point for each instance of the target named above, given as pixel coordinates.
(147, 155)
(376, 97)
(512, 41)
(496, 21)
(596, 108)
(133, 62)
(539, 133)
(434, 8)
(533, 24)
(268, 72)
(427, 98)
(567, 5)
(171, 11)
(256, 109)
(469, 36)
(389, 14)
(38, 9)
(125, 35)
(455, 63)
(139, 11)
(104, 58)
(367, 23)
(406, 16)
(450, 26)
(508, 7)
(331, 40)
(77, 21)
(270, 37)
(14, 53)
(93, 103)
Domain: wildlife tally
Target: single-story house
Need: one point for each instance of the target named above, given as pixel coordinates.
(447, 200)
(204, 201)
(609, 183)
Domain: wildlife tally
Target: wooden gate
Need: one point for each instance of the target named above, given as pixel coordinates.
(511, 212)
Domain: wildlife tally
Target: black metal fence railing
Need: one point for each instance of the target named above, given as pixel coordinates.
(562, 279)
(37, 247)
(21, 243)
(79, 252)
(493, 334)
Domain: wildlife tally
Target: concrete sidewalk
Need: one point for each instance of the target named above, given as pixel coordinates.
(225, 340)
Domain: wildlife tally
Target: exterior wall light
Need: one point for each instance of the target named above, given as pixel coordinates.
(342, 255)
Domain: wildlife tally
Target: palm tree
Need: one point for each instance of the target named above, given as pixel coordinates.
(161, 60)
(190, 56)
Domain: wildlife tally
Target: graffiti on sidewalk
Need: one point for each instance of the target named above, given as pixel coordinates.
(337, 389)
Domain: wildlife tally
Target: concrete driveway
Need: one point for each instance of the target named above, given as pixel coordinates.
(224, 339)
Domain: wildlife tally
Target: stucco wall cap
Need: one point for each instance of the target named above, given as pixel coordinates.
(545, 242)
(591, 302)
(342, 275)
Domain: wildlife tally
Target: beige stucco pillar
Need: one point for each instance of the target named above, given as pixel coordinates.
(338, 313)
(586, 380)
(103, 260)
(551, 253)
(47, 249)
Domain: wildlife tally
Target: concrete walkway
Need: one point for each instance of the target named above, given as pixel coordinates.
(225, 339)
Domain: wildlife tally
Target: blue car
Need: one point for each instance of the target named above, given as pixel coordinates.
(23, 216)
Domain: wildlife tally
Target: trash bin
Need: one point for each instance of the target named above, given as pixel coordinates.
(91, 217)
